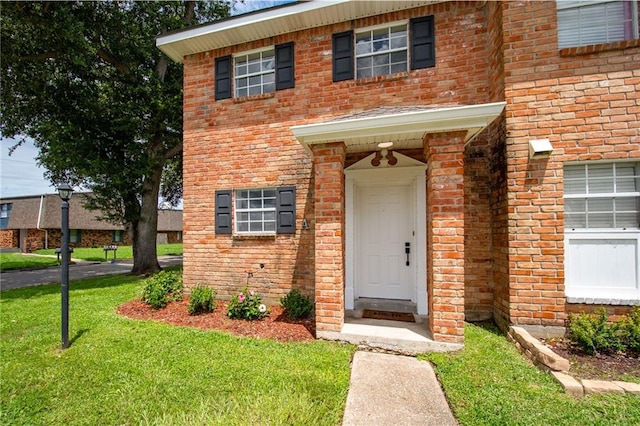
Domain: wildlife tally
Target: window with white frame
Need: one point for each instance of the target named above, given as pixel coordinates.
(582, 23)
(381, 51)
(5, 212)
(254, 73)
(255, 211)
(602, 231)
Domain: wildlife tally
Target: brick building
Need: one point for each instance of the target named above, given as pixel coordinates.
(33, 222)
(475, 159)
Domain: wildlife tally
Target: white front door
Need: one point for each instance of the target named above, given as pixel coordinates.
(384, 227)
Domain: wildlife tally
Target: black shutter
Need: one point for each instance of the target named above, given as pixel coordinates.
(286, 210)
(223, 212)
(285, 77)
(343, 56)
(423, 42)
(223, 77)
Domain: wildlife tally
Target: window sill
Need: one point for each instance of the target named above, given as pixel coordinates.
(381, 78)
(603, 301)
(254, 97)
(598, 48)
(245, 237)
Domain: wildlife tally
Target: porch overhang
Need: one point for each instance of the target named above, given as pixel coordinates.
(404, 126)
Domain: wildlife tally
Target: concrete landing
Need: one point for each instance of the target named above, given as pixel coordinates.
(395, 336)
(392, 390)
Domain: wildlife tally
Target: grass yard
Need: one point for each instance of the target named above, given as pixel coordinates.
(123, 371)
(124, 252)
(10, 261)
(490, 383)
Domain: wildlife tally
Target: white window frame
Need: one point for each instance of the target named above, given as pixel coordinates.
(389, 51)
(250, 211)
(585, 31)
(610, 240)
(266, 75)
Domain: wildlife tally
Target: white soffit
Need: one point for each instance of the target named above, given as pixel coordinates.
(361, 134)
(274, 21)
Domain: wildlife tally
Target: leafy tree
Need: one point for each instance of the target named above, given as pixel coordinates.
(102, 103)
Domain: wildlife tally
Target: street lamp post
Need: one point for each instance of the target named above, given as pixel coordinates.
(65, 191)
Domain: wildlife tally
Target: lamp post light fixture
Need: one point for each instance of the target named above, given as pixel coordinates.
(65, 191)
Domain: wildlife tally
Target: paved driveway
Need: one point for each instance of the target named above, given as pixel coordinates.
(18, 279)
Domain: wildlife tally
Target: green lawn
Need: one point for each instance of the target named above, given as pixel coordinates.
(9, 261)
(124, 252)
(490, 383)
(123, 371)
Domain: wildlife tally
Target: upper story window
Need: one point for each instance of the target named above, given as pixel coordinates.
(256, 72)
(378, 51)
(583, 23)
(381, 51)
(5, 211)
(602, 196)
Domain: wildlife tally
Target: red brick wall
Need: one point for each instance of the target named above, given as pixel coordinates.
(588, 107)
(9, 238)
(246, 143)
(89, 238)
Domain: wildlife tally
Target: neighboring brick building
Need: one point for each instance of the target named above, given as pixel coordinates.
(464, 156)
(33, 222)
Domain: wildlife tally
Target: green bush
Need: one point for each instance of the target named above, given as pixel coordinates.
(593, 334)
(630, 329)
(162, 288)
(296, 305)
(247, 305)
(202, 300)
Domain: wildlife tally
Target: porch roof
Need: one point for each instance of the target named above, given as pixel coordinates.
(404, 126)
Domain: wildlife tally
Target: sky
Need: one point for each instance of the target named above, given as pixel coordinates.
(19, 173)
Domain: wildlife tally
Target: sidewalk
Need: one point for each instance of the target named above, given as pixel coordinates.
(392, 389)
(18, 279)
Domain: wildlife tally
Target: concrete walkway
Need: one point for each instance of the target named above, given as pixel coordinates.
(392, 389)
(27, 278)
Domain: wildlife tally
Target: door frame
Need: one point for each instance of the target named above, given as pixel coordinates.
(408, 172)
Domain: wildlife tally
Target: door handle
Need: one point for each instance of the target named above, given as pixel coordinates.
(407, 250)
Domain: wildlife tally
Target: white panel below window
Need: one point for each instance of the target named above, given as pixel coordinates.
(602, 267)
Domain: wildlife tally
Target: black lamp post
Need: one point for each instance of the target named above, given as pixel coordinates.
(65, 191)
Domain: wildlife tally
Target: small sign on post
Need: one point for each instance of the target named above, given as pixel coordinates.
(107, 249)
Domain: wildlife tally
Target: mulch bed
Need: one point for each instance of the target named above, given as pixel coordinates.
(275, 326)
(598, 367)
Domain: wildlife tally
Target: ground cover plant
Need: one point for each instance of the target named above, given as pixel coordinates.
(126, 371)
(13, 261)
(96, 254)
(490, 383)
(163, 288)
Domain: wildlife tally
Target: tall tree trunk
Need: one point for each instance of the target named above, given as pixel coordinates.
(145, 231)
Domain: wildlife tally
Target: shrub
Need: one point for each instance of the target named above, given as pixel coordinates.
(593, 334)
(630, 329)
(247, 305)
(202, 300)
(162, 288)
(296, 305)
